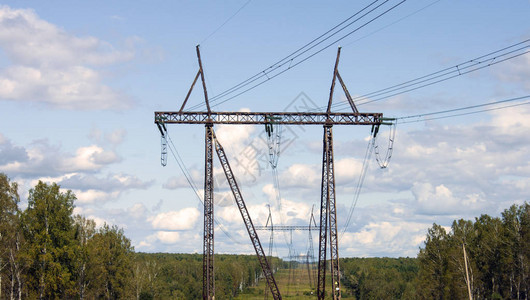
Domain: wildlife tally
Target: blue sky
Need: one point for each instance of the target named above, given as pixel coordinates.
(79, 82)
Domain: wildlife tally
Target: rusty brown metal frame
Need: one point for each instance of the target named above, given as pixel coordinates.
(328, 208)
(208, 275)
(262, 258)
(258, 118)
(328, 213)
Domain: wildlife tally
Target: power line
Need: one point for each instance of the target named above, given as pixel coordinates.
(225, 22)
(478, 63)
(369, 148)
(393, 23)
(192, 184)
(265, 75)
(289, 57)
(466, 108)
(308, 57)
(360, 181)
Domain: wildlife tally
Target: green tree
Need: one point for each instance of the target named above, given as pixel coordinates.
(10, 240)
(111, 264)
(433, 259)
(487, 256)
(516, 222)
(498, 258)
(48, 228)
(524, 217)
(462, 234)
(84, 230)
(379, 278)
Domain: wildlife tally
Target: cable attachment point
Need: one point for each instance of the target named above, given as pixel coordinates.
(163, 139)
(392, 122)
(273, 139)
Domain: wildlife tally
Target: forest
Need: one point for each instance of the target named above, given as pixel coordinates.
(47, 252)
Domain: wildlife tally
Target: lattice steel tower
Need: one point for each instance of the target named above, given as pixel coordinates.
(328, 213)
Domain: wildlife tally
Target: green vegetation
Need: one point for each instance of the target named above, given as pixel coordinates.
(498, 252)
(179, 276)
(379, 278)
(46, 252)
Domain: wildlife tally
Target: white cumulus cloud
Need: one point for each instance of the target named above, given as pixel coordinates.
(183, 219)
(168, 237)
(54, 67)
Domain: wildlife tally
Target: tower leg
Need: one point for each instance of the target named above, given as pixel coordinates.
(332, 210)
(208, 287)
(328, 217)
(324, 206)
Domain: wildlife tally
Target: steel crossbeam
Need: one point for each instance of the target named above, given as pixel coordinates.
(256, 118)
(286, 228)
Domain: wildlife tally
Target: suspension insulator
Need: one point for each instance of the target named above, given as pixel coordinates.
(163, 150)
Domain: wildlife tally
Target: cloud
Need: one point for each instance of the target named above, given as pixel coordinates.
(93, 196)
(291, 212)
(11, 154)
(80, 171)
(247, 154)
(53, 67)
(174, 183)
(113, 138)
(511, 122)
(235, 136)
(168, 237)
(90, 158)
(347, 170)
(300, 175)
(224, 198)
(113, 182)
(384, 238)
(467, 159)
(516, 71)
(183, 219)
(171, 241)
(91, 189)
(137, 211)
(116, 137)
(44, 160)
(439, 200)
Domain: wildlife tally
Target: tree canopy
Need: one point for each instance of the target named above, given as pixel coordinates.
(47, 252)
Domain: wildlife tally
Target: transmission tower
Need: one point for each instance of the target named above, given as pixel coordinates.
(328, 214)
(310, 254)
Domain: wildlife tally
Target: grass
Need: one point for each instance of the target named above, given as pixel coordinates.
(293, 284)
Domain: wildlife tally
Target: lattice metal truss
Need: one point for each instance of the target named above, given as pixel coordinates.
(208, 276)
(256, 118)
(286, 228)
(328, 178)
(328, 221)
(324, 215)
(262, 258)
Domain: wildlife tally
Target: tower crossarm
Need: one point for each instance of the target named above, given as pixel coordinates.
(286, 228)
(282, 118)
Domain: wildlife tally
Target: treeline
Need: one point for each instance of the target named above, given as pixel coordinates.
(498, 258)
(179, 276)
(379, 278)
(47, 253)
